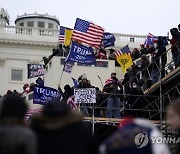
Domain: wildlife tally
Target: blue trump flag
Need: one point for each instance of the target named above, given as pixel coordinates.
(75, 82)
(81, 54)
(42, 95)
(108, 40)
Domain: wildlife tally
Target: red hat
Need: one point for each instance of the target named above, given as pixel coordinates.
(155, 41)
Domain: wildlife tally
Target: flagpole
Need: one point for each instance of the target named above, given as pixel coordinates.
(63, 69)
(61, 74)
(100, 80)
(93, 120)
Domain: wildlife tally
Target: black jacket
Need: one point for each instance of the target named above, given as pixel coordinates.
(125, 82)
(67, 94)
(65, 135)
(177, 147)
(15, 138)
(116, 89)
(156, 59)
(146, 71)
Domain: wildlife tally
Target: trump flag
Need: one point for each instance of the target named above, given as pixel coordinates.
(43, 95)
(108, 40)
(81, 54)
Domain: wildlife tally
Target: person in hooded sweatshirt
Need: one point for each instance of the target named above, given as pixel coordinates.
(15, 137)
(173, 118)
(134, 137)
(60, 130)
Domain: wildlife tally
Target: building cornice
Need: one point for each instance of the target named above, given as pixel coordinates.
(30, 44)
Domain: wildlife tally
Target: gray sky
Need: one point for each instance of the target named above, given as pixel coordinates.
(121, 16)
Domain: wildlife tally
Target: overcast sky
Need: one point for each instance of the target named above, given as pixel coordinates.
(120, 16)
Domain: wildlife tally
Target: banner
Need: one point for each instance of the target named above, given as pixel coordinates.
(150, 39)
(35, 70)
(85, 95)
(123, 57)
(75, 82)
(42, 95)
(68, 67)
(108, 40)
(125, 61)
(68, 36)
(81, 54)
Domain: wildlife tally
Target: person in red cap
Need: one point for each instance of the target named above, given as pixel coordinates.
(26, 89)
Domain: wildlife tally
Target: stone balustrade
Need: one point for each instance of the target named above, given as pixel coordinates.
(51, 35)
(130, 38)
(29, 31)
(54, 32)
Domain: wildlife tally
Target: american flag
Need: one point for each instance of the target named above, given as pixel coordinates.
(150, 39)
(71, 103)
(62, 34)
(123, 50)
(88, 33)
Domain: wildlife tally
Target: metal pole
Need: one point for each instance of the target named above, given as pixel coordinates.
(100, 80)
(160, 93)
(93, 120)
(124, 101)
(61, 75)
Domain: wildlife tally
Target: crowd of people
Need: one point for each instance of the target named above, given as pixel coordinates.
(58, 129)
(149, 70)
(137, 79)
(27, 88)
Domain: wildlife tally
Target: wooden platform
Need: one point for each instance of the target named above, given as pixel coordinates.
(111, 120)
(156, 85)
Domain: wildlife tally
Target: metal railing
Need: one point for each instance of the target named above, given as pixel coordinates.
(135, 105)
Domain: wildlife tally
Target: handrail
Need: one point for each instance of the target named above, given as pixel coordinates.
(154, 61)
